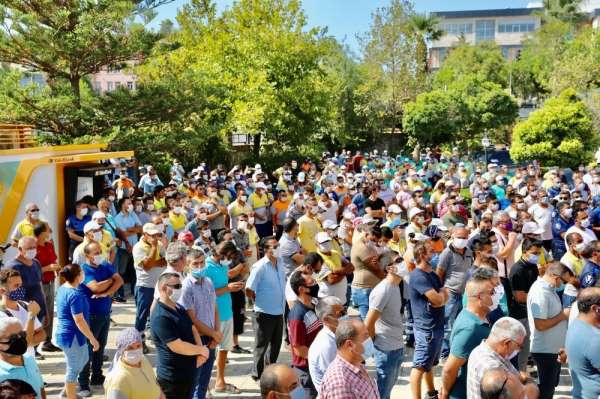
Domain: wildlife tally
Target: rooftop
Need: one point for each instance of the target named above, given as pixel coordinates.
(501, 12)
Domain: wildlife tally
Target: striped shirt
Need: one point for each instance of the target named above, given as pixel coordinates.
(344, 380)
(482, 359)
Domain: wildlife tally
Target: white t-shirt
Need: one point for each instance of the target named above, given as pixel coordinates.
(22, 315)
(543, 217)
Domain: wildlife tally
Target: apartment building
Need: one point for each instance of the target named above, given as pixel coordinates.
(110, 78)
(506, 27)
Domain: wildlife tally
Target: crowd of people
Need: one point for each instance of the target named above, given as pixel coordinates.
(490, 273)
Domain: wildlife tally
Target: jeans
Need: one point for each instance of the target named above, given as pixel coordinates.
(203, 373)
(408, 324)
(76, 357)
(310, 392)
(451, 310)
(387, 365)
(549, 373)
(360, 300)
(143, 301)
(268, 330)
(176, 389)
(122, 263)
(99, 325)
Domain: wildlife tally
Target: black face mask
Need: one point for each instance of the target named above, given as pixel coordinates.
(17, 344)
(314, 290)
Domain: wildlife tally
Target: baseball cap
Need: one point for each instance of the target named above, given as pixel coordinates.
(329, 225)
(414, 212)
(395, 209)
(150, 228)
(532, 228)
(260, 185)
(439, 223)
(98, 215)
(323, 237)
(89, 226)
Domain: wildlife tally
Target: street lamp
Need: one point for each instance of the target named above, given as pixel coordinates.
(485, 142)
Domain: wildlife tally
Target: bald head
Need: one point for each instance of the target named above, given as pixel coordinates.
(497, 383)
(277, 379)
(588, 300)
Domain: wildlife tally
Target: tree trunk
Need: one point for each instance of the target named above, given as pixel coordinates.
(256, 145)
(76, 91)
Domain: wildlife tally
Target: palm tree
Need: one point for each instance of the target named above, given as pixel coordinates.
(425, 29)
(563, 10)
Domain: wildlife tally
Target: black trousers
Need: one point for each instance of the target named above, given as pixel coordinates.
(549, 373)
(177, 389)
(238, 305)
(268, 331)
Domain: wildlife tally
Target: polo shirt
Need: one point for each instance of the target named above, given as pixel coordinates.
(168, 325)
(104, 271)
(590, 275)
(303, 327)
(260, 205)
(468, 331)
(199, 296)
(268, 283)
(23, 229)
(29, 372)
(288, 247)
(307, 231)
(177, 221)
(235, 209)
(76, 224)
(455, 266)
(522, 276)
(320, 355)
(125, 222)
(218, 276)
(584, 359)
(146, 278)
(425, 316)
(544, 303)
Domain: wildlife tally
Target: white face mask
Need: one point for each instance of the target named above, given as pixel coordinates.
(580, 247)
(251, 221)
(325, 247)
(111, 198)
(460, 243)
(83, 211)
(243, 198)
(160, 227)
(243, 225)
(206, 234)
(177, 209)
(35, 215)
(497, 296)
(585, 223)
(98, 259)
(139, 208)
(130, 208)
(133, 356)
(98, 236)
(30, 254)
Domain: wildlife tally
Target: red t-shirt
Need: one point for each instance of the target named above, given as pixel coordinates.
(304, 326)
(46, 256)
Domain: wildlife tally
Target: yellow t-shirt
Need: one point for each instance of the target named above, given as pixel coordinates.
(177, 221)
(397, 246)
(132, 382)
(159, 204)
(23, 229)
(574, 262)
(307, 232)
(332, 261)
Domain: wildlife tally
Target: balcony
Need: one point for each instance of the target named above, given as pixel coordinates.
(13, 137)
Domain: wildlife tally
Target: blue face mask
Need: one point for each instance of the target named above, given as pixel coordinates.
(435, 259)
(560, 288)
(534, 259)
(17, 294)
(369, 348)
(199, 273)
(297, 393)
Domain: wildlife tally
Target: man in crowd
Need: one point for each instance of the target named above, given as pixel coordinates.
(266, 287)
(277, 380)
(367, 273)
(346, 376)
(25, 227)
(500, 384)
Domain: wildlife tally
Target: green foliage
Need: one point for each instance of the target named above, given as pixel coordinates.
(559, 134)
(459, 113)
(484, 61)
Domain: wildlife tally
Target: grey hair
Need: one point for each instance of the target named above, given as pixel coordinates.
(176, 251)
(498, 216)
(195, 253)
(6, 322)
(346, 330)
(483, 274)
(474, 287)
(555, 269)
(23, 240)
(507, 328)
(325, 306)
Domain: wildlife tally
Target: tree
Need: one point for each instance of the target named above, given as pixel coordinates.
(563, 10)
(67, 41)
(390, 62)
(559, 134)
(484, 61)
(426, 30)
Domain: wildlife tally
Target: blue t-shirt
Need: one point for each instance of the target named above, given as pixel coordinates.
(32, 282)
(218, 276)
(99, 306)
(69, 302)
(167, 326)
(77, 225)
(584, 359)
(425, 315)
(29, 372)
(590, 275)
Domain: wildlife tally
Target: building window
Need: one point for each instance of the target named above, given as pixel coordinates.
(457, 29)
(484, 30)
(130, 85)
(505, 52)
(98, 86)
(240, 139)
(109, 86)
(118, 84)
(521, 27)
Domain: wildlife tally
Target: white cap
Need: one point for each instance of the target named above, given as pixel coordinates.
(414, 212)
(368, 219)
(348, 215)
(150, 228)
(532, 228)
(257, 167)
(260, 185)
(420, 237)
(439, 223)
(395, 209)
(89, 226)
(323, 237)
(98, 215)
(329, 225)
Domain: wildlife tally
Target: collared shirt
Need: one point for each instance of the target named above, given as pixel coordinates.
(125, 222)
(199, 296)
(148, 184)
(268, 283)
(146, 278)
(29, 372)
(584, 359)
(320, 355)
(344, 380)
(100, 273)
(544, 303)
(590, 275)
(23, 229)
(484, 358)
(455, 266)
(288, 247)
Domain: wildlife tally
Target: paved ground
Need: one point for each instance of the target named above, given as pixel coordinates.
(238, 369)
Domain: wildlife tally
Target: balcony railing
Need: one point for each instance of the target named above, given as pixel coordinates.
(16, 136)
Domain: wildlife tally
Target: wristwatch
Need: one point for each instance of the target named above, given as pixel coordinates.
(31, 317)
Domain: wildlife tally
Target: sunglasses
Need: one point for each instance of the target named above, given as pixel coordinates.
(175, 286)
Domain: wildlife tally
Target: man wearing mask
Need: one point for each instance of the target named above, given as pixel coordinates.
(417, 222)
(542, 214)
(261, 206)
(590, 275)
(584, 354)
(323, 350)
(75, 223)
(367, 272)
(454, 263)
(505, 341)
(470, 328)
(238, 208)
(309, 226)
(385, 325)
(548, 326)
(290, 252)
(266, 286)
(25, 227)
(581, 225)
(280, 379)
(149, 181)
(92, 232)
(346, 376)
(522, 276)
(303, 327)
(561, 223)
(575, 262)
(334, 283)
(507, 242)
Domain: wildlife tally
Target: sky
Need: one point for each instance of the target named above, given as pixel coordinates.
(346, 18)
